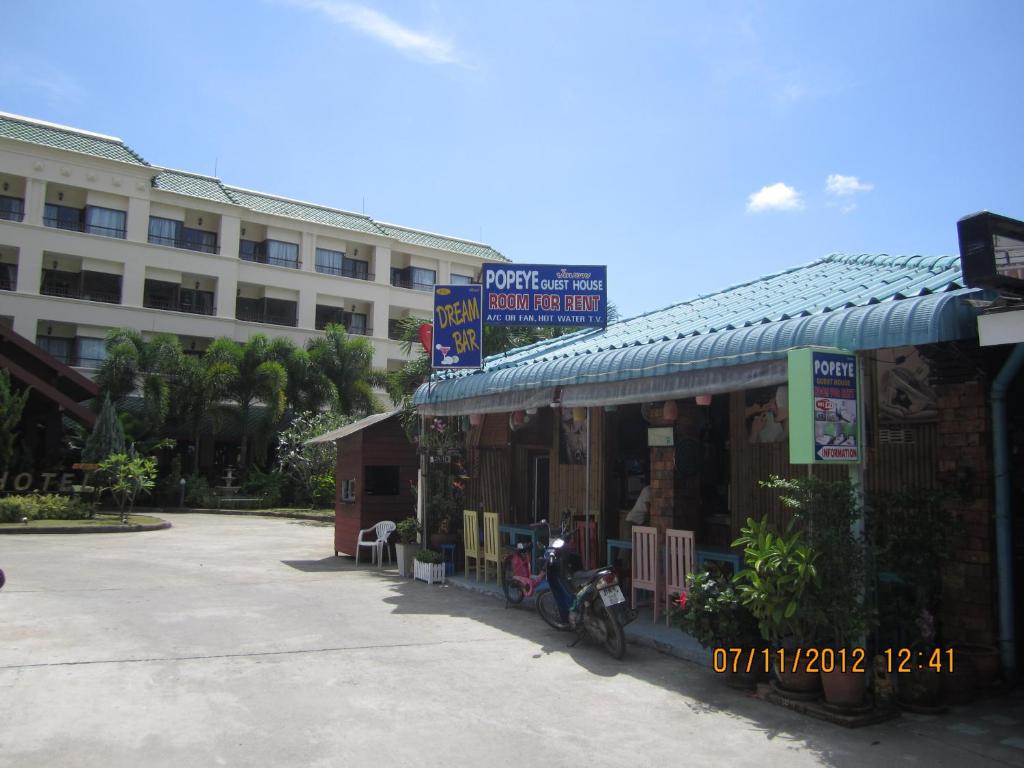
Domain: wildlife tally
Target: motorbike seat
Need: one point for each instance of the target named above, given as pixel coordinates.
(581, 578)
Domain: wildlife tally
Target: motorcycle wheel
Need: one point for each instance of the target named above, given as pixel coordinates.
(548, 609)
(513, 590)
(614, 636)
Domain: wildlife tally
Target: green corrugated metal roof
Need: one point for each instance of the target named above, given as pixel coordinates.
(293, 209)
(852, 302)
(441, 242)
(192, 184)
(107, 147)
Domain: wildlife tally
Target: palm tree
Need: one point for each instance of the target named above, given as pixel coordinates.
(251, 376)
(136, 364)
(196, 390)
(309, 388)
(346, 363)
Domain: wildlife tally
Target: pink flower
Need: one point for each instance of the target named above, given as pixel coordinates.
(682, 599)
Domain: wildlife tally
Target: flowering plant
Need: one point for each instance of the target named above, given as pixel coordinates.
(710, 611)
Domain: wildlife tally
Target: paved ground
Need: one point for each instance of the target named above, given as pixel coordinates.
(241, 641)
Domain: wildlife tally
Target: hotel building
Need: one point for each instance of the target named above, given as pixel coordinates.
(93, 237)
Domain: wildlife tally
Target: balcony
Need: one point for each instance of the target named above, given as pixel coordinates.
(270, 311)
(192, 305)
(8, 277)
(12, 208)
(185, 242)
(273, 252)
(413, 278)
(88, 286)
(402, 282)
(92, 220)
(354, 322)
(345, 271)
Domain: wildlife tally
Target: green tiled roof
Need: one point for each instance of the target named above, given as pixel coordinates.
(430, 240)
(277, 206)
(851, 302)
(192, 185)
(70, 140)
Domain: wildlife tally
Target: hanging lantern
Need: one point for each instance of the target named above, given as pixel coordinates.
(518, 418)
(426, 336)
(579, 415)
(476, 419)
(670, 411)
(704, 400)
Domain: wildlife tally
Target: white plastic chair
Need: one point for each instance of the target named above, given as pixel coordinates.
(382, 532)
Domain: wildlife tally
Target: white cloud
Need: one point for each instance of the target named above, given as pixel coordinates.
(837, 184)
(383, 28)
(775, 197)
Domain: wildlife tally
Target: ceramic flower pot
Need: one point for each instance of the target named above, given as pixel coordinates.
(797, 680)
(843, 688)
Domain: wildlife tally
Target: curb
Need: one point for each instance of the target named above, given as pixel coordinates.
(242, 513)
(133, 528)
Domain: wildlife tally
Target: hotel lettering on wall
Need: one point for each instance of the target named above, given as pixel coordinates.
(545, 294)
(47, 482)
(824, 407)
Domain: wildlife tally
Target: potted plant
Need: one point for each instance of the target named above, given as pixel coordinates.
(407, 530)
(829, 513)
(777, 585)
(710, 612)
(428, 566)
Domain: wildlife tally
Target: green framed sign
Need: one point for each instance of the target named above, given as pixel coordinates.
(824, 407)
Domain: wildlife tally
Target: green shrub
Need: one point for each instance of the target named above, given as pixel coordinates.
(43, 507)
(197, 492)
(429, 556)
(265, 485)
(323, 491)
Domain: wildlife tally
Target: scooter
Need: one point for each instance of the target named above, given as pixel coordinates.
(587, 602)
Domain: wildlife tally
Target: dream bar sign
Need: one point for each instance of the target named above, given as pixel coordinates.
(545, 294)
(824, 407)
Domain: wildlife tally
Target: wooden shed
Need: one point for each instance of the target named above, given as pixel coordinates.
(375, 475)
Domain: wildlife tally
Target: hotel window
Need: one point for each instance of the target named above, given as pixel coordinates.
(12, 208)
(63, 217)
(329, 262)
(282, 254)
(91, 352)
(164, 231)
(59, 347)
(104, 221)
(461, 279)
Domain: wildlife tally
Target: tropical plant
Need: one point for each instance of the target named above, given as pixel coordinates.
(198, 493)
(308, 388)
(135, 364)
(196, 388)
(126, 477)
(12, 404)
(778, 581)
(266, 486)
(408, 529)
(107, 436)
(346, 363)
(306, 463)
(251, 376)
(829, 512)
(711, 612)
(14, 509)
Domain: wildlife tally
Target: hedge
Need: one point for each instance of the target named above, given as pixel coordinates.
(43, 507)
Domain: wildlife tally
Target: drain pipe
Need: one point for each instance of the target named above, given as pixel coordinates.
(1004, 527)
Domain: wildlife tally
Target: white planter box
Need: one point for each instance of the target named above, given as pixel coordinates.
(432, 573)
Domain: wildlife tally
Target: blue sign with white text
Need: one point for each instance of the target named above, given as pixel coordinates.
(545, 294)
(458, 336)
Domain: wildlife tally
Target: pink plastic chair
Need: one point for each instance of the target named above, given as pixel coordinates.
(645, 574)
(679, 546)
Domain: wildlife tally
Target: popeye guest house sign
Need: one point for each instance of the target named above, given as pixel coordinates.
(824, 407)
(545, 294)
(458, 327)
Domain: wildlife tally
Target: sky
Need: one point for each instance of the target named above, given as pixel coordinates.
(688, 146)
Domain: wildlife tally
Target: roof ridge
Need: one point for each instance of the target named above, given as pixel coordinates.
(321, 206)
(25, 120)
(947, 261)
(434, 234)
(194, 174)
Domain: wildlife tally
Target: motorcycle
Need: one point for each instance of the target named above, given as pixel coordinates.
(586, 602)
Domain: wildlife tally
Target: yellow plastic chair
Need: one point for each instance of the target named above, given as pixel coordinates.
(471, 541)
(492, 545)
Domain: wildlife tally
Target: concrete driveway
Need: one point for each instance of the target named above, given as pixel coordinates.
(243, 641)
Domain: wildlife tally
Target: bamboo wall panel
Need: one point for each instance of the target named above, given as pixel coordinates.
(568, 481)
(495, 480)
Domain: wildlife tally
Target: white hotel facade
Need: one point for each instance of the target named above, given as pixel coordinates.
(92, 237)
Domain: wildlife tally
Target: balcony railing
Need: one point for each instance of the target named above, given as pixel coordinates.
(358, 330)
(12, 215)
(80, 226)
(272, 260)
(258, 316)
(178, 242)
(344, 272)
(89, 362)
(152, 302)
(69, 292)
(401, 282)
